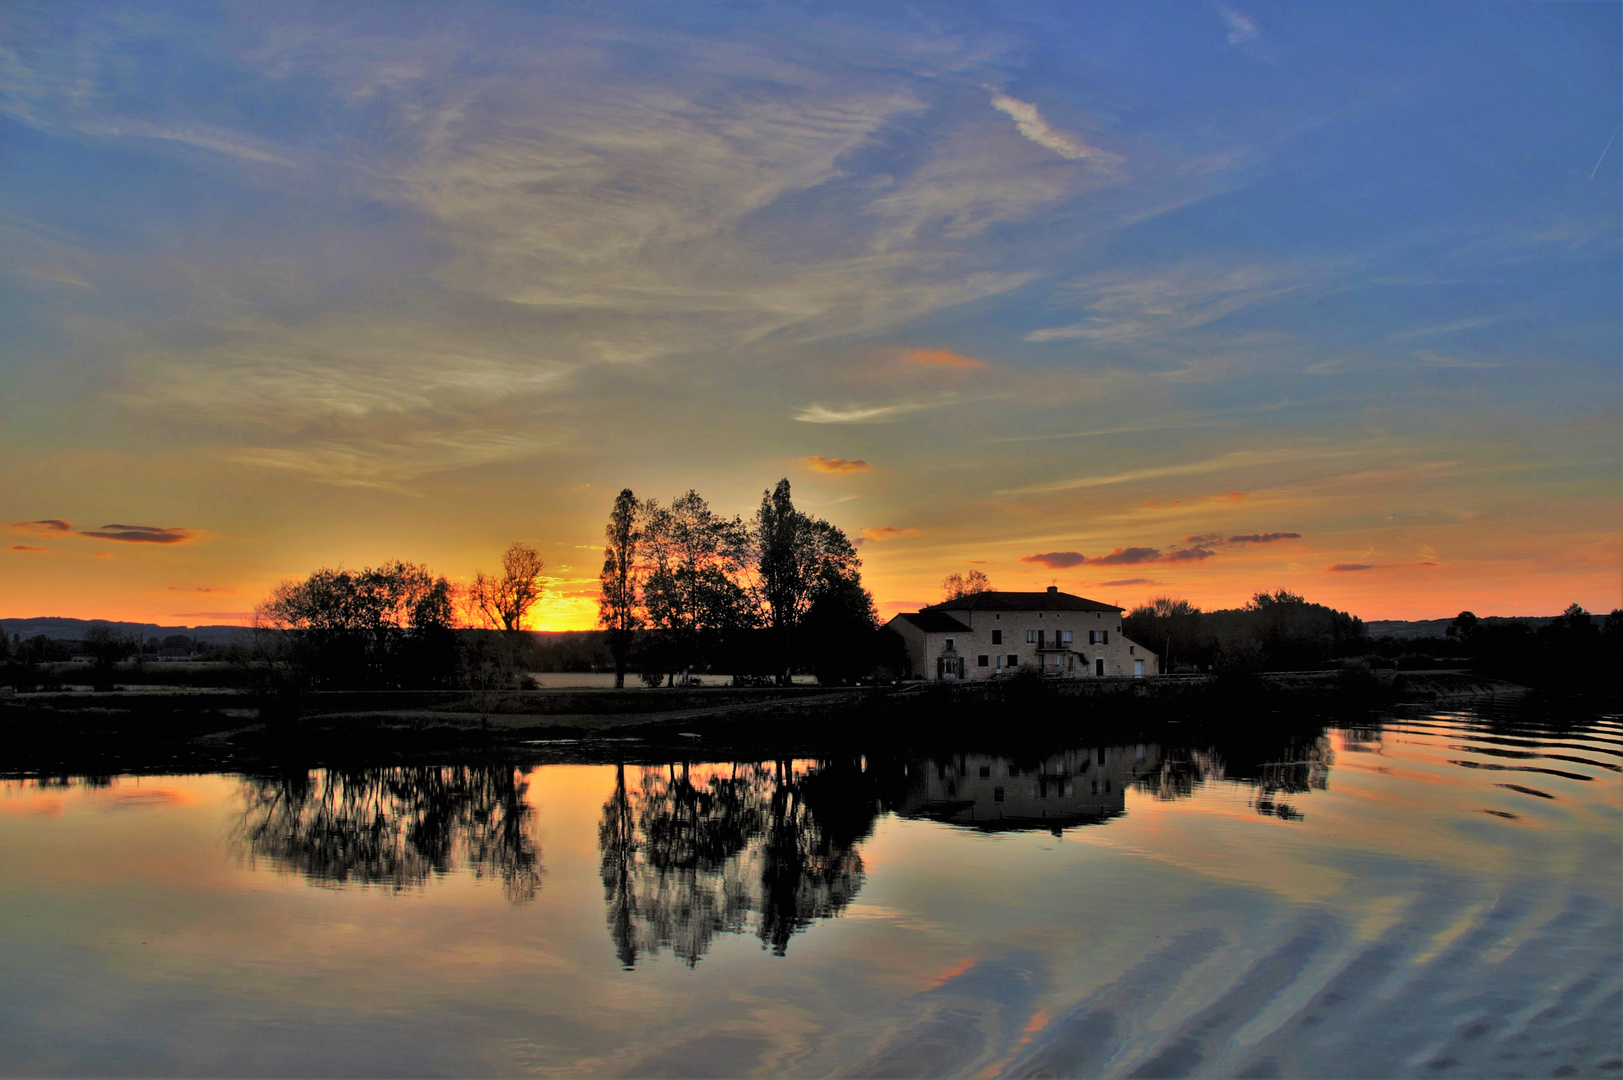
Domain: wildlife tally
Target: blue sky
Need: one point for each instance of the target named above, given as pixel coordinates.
(320, 285)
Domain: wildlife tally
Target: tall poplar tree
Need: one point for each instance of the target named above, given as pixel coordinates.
(617, 609)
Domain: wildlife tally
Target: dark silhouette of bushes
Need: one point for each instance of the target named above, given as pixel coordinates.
(1277, 631)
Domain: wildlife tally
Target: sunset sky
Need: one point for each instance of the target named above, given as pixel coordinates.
(1136, 299)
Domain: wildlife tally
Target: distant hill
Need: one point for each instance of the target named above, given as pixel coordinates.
(59, 629)
(1423, 628)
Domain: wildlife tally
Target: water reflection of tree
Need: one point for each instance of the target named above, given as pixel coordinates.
(394, 827)
(762, 848)
(1293, 763)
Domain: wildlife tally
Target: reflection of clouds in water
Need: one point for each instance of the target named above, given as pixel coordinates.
(146, 799)
(42, 796)
(1396, 930)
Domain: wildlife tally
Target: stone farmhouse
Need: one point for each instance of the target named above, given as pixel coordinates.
(988, 634)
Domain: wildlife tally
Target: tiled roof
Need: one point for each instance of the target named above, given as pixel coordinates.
(1021, 601)
(935, 622)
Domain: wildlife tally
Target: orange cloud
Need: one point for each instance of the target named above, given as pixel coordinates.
(885, 532)
(1345, 567)
(1124, 582)
(943, 358)
(837, 464)
(25, 547)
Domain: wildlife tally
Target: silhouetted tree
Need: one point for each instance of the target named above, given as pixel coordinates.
(1463, 626)
(501, 603)
(955, 585)
(799, 558)
(691, 595)
(840, 634)
(1173, 626)
(384, 626)
(617, 608)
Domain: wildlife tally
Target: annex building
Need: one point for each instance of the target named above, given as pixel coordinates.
(987, 634)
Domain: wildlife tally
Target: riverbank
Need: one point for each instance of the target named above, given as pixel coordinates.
(155, 727)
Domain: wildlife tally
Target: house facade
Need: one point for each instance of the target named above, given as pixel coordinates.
(988, 634)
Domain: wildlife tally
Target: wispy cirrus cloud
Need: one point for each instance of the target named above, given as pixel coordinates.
(141, 534)
(1348, 567)
(861, 414)
(836, 465)
(1124, 582)
(1237, 459)
(1029, 122)
(1127, 306)
(1453, 326)
(1242, 28)
(28, 548)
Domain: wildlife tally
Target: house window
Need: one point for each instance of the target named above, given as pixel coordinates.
(1131, 650)
(998, 618)
(1093, 637)
(1104, 637)
(1031, 637)
(1014, 661)
(997, 794)
(997, 637)
(983, 661)
(986, 770)
(949, 644)
(1067, 637)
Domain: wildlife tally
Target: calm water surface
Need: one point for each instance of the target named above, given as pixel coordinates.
(1441, 895)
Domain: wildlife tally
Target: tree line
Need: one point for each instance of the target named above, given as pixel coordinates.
(1277, 631)
(684, 589)
(1282, 631)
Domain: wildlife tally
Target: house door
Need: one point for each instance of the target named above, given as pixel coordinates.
(1138, 669)
(1099, 667)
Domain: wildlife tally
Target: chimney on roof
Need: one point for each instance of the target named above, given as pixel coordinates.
(1053, 588)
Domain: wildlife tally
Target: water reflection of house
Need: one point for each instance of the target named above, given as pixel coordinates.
(997, 633)
(1076, 787)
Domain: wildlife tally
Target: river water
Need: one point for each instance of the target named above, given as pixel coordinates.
(1438, 894)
